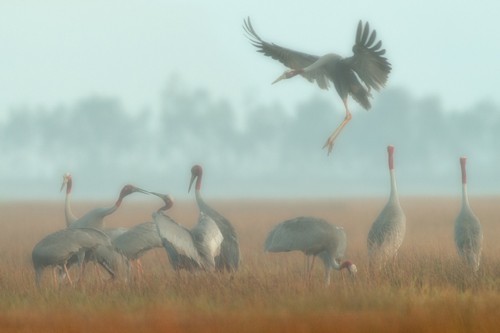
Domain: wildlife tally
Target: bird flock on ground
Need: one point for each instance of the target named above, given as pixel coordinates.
(212, 244)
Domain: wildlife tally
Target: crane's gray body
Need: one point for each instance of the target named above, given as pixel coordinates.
(312, 236)
(137, 240)
(58, 248)
(468, 234)
(388, 230)
(190, 249)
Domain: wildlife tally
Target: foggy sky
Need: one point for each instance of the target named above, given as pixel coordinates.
(60, 56)
(56, 51)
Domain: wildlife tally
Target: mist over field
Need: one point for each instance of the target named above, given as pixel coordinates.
(255, 149)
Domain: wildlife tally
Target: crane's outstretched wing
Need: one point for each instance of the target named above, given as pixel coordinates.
(290, 58)
(137, 240)
(368, 61)
(177, 240)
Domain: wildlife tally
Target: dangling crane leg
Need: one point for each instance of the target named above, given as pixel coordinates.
(331, 139)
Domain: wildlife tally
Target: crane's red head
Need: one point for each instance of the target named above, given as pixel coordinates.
(68, 182)
(463, 161)
(129, 189)
(196, 173)
(390, 151)
(349, 266)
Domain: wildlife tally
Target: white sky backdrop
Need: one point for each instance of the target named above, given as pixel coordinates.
(56, 51)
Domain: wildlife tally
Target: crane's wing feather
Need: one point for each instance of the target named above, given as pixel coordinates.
(290, 58)
(229, 257)
(208, 239)
(178, 237)
(137, 240)
(368, 61)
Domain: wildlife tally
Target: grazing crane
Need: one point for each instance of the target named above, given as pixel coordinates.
(229, 258)
(388, 231)
(193, 249)
(135, 242)
(58, 248)
(95, 217)
(468, 233)
(367, 64)
(314, 237)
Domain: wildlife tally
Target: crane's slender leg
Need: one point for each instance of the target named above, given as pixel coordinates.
(331, 139)
(327, 276)
(140, 270)
(67, 274)
(311, 268)
(54, 276)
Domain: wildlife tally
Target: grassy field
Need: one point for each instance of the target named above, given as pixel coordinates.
(426, 291)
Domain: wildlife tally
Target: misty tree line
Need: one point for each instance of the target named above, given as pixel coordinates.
(261, 147)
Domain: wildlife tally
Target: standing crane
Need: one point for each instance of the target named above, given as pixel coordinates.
(135, 242)
(468, 233)
(229, 257)
(314, 237)
(366, 64)
(388, 231)
(194, 249)
(57, 249)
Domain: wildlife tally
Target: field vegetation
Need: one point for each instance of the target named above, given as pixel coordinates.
(425, 290)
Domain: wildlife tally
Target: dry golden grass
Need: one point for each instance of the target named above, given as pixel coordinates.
(425, 291)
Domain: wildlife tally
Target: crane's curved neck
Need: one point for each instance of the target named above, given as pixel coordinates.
(198, 182)
(197, 189)
(465, 197)
(70, 217)
(335, 265)
(338, 266)
(199, 199)
(116, 205)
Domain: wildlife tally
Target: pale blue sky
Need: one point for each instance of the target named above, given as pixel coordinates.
(58, 51)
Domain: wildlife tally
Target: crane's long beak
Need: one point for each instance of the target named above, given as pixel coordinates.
(157, 194)
(65, 181)
(193, 177)
(282, 76)
(137, 189)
